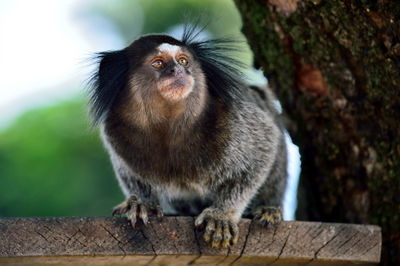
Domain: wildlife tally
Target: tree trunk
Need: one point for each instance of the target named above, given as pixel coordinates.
(335, 66)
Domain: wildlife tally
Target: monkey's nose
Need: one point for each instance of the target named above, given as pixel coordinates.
(175, 71)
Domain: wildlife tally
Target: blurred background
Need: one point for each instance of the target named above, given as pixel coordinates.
(51, 162)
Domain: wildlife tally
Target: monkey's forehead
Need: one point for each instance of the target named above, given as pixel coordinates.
(172, 50)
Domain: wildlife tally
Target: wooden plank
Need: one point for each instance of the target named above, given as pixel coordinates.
(175, 241)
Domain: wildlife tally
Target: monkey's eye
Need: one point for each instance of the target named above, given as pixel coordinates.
(158, 63)
(182, 61)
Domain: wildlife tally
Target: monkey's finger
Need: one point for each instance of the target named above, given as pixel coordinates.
(160, 213)
(124, 210)
(210, 228)
(133, 215)
(143, 213)
(235, 232)
(227, 236)
(119, 212)
(258, 213)
(116, 212)
(263, 221)
(278, 217)
(120, 209)
(199, 220)
(257, 216)
(217, 236)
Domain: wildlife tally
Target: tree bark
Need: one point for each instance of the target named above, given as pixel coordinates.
(335, 66)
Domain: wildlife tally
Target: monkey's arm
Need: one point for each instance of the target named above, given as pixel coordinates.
(141, 199)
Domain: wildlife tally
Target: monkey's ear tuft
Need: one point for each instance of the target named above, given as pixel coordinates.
(217, 59)
(106, 83)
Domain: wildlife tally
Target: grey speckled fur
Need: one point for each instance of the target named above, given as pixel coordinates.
(251, 171)
(189, 135)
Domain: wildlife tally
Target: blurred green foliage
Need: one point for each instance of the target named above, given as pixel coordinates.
(51, 162)
(160, 15)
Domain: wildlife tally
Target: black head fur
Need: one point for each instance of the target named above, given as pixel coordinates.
(220, 69)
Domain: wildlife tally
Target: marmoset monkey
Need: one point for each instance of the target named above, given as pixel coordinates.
(187, 136)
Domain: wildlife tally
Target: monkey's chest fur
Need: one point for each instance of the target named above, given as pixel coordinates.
(181, 165)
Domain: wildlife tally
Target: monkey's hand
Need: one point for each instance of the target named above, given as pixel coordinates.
(268, 215)
(133, 207)
(221, 228)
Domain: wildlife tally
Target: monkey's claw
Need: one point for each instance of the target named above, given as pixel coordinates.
(220, 230)
(268, 215)
(133, 208)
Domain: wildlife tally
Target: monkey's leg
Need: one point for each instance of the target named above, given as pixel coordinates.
(266, 205)
(268, 214)
(133, 208)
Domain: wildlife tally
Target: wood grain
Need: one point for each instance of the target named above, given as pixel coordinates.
(175, 241)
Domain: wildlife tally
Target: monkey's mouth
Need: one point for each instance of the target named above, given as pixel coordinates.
(176, 88)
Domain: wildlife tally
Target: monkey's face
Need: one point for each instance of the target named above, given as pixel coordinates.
(168, 69)
(165, 82)
(158, 78)
(171, 67)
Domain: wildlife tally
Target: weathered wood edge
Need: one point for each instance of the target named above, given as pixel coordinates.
(301, 242)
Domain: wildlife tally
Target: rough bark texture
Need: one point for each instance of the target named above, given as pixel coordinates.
(175, 241)
(335, 66)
